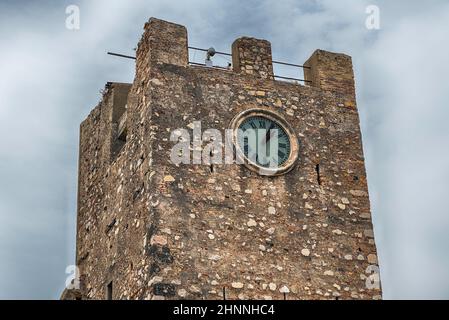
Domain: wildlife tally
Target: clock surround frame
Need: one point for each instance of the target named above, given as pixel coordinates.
(277, 118)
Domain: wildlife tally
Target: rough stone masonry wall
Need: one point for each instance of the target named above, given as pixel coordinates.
(252, 56)
(164, 231)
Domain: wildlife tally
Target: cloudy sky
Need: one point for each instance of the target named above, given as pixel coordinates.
(50, 78)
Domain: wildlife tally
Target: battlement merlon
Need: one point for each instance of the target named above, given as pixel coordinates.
(162, 42)
(331, 71)
(252, 56)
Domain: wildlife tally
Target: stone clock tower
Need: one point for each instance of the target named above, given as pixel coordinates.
(149, 228)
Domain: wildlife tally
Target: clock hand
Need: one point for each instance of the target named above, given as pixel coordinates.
(268, 135)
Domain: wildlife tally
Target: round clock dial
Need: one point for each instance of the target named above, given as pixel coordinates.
(264, 141)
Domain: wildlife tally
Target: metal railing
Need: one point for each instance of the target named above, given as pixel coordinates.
(230, 64)
(274, 62)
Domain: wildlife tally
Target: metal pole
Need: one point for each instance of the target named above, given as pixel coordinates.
(204, 65)
(288, 78)
(205, 50)
(121, 55)
(291, 64)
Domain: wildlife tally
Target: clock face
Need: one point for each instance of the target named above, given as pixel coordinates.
(264, 141)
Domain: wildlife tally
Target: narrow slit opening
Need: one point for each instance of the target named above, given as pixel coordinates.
(318, 175)
(109, 291)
